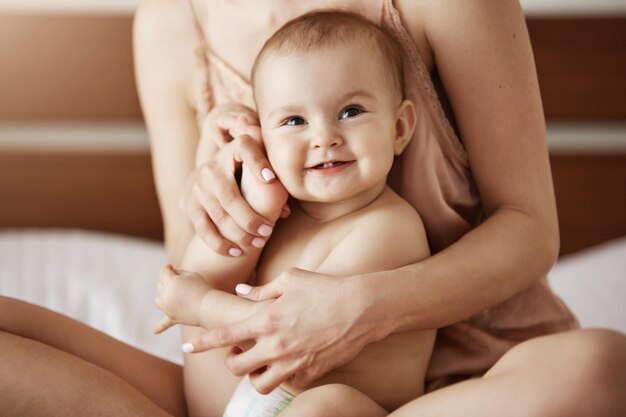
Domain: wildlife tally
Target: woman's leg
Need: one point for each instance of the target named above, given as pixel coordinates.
(574, 374)
(49, 362)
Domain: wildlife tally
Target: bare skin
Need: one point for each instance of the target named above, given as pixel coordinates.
(60, 358)
(459, 39)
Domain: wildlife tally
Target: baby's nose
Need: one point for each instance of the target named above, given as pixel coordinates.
(326, 138)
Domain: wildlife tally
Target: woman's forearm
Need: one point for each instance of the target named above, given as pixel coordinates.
(491, 263)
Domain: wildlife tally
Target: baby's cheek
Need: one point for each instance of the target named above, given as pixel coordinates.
(284, 161)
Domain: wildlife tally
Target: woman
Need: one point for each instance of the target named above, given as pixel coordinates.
(490, 251)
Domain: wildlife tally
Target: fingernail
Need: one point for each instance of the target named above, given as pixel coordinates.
(265, 230)
(243, 289)
(234, 252)
(187, 348)
(257, 242)
(267, 174)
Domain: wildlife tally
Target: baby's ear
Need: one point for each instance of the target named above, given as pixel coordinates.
(405, 125)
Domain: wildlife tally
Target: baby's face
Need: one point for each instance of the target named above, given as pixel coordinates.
(328, 120)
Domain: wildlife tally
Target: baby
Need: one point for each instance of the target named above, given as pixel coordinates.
(328, 91)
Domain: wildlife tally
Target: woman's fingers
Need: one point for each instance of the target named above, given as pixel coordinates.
(269, 379)
(253, 363)
(242, 127)
(211, 131)
(218, 123)
(206, 230)
(220, 214)
(244, 363)
(305, 377)
(250, 153)
(233, 334)
(217, 220)
(239, 210)
(269, 291)
(233, 119)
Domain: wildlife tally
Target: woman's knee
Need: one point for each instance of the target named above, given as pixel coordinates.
(581, 372)
(600, 356)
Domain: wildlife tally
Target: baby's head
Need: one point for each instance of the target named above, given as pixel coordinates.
(329, 29)
(329, 92)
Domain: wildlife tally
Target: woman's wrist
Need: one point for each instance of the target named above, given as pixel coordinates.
(370, 307)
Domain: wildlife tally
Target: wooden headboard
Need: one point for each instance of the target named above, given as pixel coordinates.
(581, 66)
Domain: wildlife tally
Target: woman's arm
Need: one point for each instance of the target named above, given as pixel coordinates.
(483, 54)
(163, 54)
(167, 79)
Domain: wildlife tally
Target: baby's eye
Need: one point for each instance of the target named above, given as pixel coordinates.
(350, 111)
(294, 121)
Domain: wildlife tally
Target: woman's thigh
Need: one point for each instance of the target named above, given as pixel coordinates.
(64, 342)
(576, 373)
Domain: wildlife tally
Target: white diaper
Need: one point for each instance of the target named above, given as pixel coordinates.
(247, 402)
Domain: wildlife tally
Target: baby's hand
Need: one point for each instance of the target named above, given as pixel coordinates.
(179, 294)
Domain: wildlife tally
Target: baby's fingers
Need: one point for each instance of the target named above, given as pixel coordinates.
(163, 325)
(250, 153)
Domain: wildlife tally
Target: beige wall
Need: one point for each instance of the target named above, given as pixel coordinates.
(73, 150)
(106, 6)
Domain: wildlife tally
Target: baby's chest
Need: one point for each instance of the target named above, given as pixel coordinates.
(298, 248)
(279, 256)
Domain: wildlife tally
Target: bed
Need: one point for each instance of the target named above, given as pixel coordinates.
(80, 228)
(108, 281)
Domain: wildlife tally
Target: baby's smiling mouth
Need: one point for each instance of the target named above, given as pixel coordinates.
(329, 166)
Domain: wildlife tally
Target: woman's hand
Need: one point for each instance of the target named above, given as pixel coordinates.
(217, 127)
(316, 324)
(179, 294)
(221, 216)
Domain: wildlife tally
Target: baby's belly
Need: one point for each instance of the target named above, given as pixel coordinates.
(391, 372)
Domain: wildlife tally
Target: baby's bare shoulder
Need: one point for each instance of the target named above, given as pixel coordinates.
(390, 215)
(387, 234)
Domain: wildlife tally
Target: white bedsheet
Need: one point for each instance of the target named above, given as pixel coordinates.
(108, 281)
(593, 284)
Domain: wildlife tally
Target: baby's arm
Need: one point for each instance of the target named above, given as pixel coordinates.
(187, 298)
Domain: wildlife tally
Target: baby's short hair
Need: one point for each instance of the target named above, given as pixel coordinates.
(327, 28)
